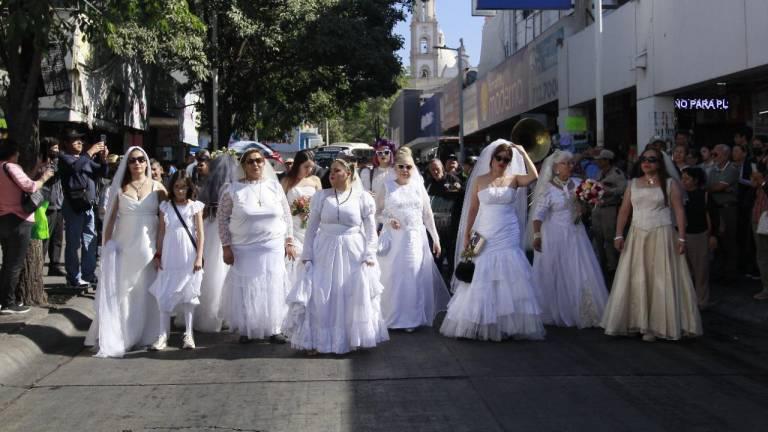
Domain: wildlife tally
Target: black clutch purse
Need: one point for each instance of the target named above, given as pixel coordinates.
(465, 270)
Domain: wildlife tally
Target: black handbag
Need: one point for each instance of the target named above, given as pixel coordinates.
(29, 201)
(465, 270)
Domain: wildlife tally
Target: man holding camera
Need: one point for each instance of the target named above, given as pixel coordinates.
(80, 171)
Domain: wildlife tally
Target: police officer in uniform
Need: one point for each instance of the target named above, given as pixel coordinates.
(604, 216)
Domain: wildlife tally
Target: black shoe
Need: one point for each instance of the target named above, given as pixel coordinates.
(14, 310)
(278, 339)
(244, 340)
(55, 271)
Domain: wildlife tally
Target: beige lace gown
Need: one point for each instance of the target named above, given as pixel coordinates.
(652, 292)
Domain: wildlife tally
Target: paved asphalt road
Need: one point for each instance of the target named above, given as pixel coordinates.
(574, 381)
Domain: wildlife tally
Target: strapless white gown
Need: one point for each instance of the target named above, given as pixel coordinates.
(500, 302)
(293, 194)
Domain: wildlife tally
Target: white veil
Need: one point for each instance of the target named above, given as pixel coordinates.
(236, 171)
(107, 328)
(482, 167)
(546, 173)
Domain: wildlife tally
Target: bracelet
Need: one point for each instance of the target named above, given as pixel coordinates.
(536, 235)
(681, 240)
(618, 238)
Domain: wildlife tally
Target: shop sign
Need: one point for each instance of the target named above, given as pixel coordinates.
(710, 104)
(523, 4)
(449, 105)
(576, 124)
(542, 61)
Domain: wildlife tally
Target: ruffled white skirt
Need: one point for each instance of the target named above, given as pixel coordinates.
(500, 302)
(253, 302)
(414, 290)
(207, 313)
(176, 283)
(334, 306)
(571, 290)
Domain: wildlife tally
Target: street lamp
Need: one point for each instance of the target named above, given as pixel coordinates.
(460, 52)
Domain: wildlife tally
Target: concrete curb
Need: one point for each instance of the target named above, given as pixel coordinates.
(63, 326)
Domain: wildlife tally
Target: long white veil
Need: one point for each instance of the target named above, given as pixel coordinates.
(546, 173)
(482, 167)
(107, 328)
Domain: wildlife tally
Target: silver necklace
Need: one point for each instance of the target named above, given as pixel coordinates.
(339, 204)
(138, 189)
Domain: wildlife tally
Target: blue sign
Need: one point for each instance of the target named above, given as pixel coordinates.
(523, 4)
(429, 122)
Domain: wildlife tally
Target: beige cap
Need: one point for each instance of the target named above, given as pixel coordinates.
(605, 154)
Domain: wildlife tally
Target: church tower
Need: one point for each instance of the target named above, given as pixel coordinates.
(424, 37)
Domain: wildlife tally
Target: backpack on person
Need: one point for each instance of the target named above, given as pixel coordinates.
(76, 192)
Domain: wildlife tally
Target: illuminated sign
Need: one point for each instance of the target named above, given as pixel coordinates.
(712, 104)
(523, 4)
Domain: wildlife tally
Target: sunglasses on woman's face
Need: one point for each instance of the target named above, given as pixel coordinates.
(404, 167)
(649, 159)
(502, 159)
(383, 152)
(254, 161)
(140, 159)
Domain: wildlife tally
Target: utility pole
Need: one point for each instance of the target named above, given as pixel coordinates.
(215, 77)
(461, 100)
(599, 111)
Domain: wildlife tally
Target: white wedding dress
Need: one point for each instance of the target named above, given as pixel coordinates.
(135, 241)
(571, 290)
(414, 290)
(500, 301)
(206, 318)
(335, 305)
(299, 233)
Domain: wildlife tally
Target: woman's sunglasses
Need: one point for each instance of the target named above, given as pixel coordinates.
(383, 153)
(502, 159)
(140, 159)
(649, 159)
(255, 161)
(404, 167)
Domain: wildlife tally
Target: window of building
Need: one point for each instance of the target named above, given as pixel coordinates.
(424, 46)
(425, 72)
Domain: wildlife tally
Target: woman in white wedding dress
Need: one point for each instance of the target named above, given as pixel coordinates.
(571, 290)
(127, 315)
(300, 183)
(414, 291)
(500, 301)
(334, 307)
(256, 235)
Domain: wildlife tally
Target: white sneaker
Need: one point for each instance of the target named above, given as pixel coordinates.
(160, 344)
(189, 342)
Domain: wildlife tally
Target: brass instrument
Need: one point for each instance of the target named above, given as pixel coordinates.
(534, 137)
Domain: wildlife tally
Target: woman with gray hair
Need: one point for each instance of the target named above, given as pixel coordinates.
(571, 291)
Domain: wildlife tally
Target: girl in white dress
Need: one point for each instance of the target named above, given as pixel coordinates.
(414, 291)
(500, 301)
(180, 269)
(571, 290)
(256, 234)
(126, 313)
(334, 307)
(300, 183)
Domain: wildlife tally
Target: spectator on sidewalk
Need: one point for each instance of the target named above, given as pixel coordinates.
(54, 194)
(603, 225)
(701, 230)
(444, 190)
(15, 223)
(745, 194)
(80, 171)
(707, 161)
(157, 171)
(722, 186)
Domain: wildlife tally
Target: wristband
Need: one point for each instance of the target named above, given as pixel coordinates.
(618, 238)
(680, 239)
(536, 235)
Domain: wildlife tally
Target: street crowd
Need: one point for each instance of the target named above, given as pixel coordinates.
(329, 259)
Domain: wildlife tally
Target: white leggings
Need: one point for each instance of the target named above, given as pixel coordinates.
(165, 320)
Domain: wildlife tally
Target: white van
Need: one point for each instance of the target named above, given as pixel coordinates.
(326, 154)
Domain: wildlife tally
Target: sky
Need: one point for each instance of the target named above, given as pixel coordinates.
(454, 17)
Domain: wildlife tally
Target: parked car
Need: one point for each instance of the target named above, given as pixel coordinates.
(326, 154)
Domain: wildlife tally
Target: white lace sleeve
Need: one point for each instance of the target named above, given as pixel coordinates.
(313, 224)
(368, 209)
(224, 215)
(428, 216)
(542, 207)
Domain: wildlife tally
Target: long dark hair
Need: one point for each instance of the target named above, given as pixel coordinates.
(292, 175)
(661, 171)
(127, 176)
(182, 175)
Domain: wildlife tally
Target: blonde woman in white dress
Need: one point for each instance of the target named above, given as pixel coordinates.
(256, 235)
(334, 307)
(373, 179)
(127, 315)
(414, 291)
(571, 290)
(652, 294)
(500, 302)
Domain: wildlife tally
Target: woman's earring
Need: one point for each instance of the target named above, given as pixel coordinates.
(557, 172)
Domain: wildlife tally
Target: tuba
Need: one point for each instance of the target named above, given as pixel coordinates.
(534, 137)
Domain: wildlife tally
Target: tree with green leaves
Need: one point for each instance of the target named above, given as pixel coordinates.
(284, 62)
(161, 32)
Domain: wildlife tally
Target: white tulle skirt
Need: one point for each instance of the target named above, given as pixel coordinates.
(207, 313)
(334, 306)
(176, 283)
(500, 302)
(571, 290)
(253, 303)
(414, 290)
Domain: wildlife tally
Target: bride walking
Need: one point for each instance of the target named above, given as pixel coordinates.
(127, 315)
(571, 290)
(499, 302)
(414, 291)
(300, 186)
